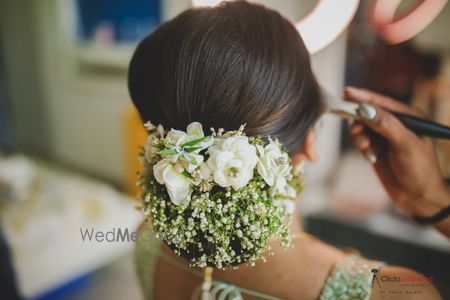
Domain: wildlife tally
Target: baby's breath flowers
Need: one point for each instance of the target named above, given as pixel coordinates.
(217, 200)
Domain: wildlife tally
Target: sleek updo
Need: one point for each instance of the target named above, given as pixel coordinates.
(224, 66)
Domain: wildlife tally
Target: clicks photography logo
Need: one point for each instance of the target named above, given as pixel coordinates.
(114, 235)
(375, 278)
(390, 285)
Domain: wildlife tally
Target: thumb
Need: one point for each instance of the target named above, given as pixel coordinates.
(385, 124)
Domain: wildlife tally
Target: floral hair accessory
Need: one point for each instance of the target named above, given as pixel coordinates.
(217, 199)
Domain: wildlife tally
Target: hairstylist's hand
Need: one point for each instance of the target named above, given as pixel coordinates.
(405, 163)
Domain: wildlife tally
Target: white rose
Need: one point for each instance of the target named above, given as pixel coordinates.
(274, 166)
(232, 161)
(178, 185)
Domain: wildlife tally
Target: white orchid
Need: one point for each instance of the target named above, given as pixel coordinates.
(177, 184)
(274, 166)
(186, 146)
(194, 132)
(232, 161)
(181, 155)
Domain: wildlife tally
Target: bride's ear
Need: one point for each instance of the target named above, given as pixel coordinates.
(307, 151)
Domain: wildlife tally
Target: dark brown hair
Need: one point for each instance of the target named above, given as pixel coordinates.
(224, 66)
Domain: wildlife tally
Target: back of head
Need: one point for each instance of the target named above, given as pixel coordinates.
(225, 66)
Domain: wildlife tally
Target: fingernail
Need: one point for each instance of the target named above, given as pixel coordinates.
(366, 111)
(370, 156)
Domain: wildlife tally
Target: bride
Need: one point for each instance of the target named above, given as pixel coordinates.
(218, 204)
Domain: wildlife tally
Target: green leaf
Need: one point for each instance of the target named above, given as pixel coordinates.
(168, 151)
(192, 149)
(186, 173)
(194, 142)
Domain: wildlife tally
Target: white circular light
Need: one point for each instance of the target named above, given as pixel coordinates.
(321, 26)
(197, 3)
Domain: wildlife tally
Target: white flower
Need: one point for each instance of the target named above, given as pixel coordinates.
(177, 184)
(290, 192)
(288, 205)
(299, 169)
(194, 131)
(176, 137)
(149, 125)
(232, 161)
(160, 131)
(203, 172)
(187, 146)
(287, 199)
(192, 161)
(149, 149)
(181, 154)
(274, 166)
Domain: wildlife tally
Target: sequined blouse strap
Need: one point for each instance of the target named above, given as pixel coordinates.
(351, 278)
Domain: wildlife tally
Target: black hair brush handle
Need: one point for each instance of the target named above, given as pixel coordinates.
(422, 126)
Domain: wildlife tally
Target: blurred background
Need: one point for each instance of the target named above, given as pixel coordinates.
(69, 136)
